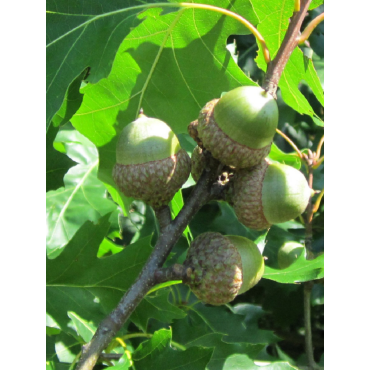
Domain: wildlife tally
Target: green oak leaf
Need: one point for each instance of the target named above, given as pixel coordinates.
(83, 197)
(165, 61)
(57, 164)
(83, 34)
(83, 328)
(71, 102)
(291, 159)
(203, 319)
(274, 20)
(299, 271)
(157, 353)
(90, 287)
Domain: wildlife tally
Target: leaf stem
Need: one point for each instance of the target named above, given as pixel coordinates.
(319, 146)
(318, 163)
(290, 142)
(310, 27)
(256, 33)
(297, 5)
(229, 13)
(318, 201)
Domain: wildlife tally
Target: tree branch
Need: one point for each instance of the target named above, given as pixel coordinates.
(276, 67)
(168, 237)
(163, 215)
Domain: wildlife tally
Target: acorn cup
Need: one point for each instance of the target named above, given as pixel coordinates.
(198, 163)
(224, 267)
(238, 128)
(268, 194)
(151, 166)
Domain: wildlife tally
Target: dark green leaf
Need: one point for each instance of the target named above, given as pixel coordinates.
(158, 68)
(57, 164)
(274, 17)
(80, 35)
(71, 102)
(90, 287)
(83, 198)
(156, 353)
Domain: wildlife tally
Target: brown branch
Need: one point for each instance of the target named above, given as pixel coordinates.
(168, 237)
(174, 272)
(276, 67)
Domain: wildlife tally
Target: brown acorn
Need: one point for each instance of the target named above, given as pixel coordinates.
(224, 267)
(238, 129)
(151, 166)
(268, 194)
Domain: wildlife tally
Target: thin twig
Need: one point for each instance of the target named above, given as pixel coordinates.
(290, 142)
(310, 27)
(319, 146)
(276, 67)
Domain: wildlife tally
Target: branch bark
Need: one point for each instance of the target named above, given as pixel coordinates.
(168, 237)
(276, 67)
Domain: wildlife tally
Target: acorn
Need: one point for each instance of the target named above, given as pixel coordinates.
(268, 194)
(223, 267)
(150, 164)
(238, 128)
(288, 253)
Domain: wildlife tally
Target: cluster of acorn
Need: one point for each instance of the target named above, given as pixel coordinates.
(238, 130)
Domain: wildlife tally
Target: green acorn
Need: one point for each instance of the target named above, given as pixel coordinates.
(151, 166)
(268, 194)
(238, 129)
(224, 267)
(288, 253)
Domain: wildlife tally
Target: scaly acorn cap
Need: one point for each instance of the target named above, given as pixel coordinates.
(268, 194)
(288, 253)
(224, 266)
(151, 166)
(198, 163)
(238, 129)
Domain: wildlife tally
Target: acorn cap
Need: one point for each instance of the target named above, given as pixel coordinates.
(249, 115)
(145, 140)
(224, 266)
(198, 163)
(252, 261)
(285, 193)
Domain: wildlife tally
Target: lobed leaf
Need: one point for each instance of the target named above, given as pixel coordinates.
(57, 164)
(90, 287)
(301, 270)
(157, 353)
(273, 23)
(83, 197)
